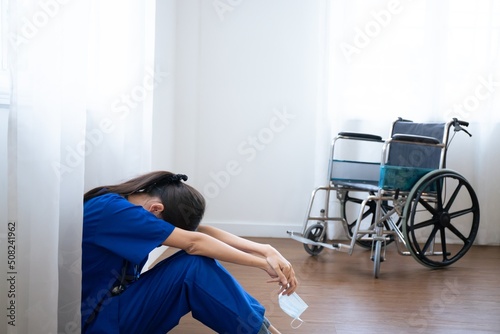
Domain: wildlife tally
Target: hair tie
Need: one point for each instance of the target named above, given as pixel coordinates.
(178, 177)
(162, 181)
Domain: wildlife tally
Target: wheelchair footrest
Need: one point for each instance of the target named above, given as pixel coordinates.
(436, 253)
(406, 253)
(334, 246)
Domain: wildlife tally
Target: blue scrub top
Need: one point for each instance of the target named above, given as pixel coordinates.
(115, 230)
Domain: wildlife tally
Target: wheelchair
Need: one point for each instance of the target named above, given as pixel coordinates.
(408, 197)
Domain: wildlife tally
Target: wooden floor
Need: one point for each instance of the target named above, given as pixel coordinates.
(344, 297)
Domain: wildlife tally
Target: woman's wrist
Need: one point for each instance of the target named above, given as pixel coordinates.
(263, 264)
(269, 250)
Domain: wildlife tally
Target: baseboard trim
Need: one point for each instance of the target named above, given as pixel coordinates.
(262, 229)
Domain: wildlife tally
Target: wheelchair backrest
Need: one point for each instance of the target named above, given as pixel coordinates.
(411, 155)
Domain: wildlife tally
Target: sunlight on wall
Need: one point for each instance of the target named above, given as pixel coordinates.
(446, 48)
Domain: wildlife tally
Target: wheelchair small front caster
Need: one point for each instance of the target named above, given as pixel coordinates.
(316, 233)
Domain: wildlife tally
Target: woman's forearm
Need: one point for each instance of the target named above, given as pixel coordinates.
(203, 244)
(242, 244)
(278, 264)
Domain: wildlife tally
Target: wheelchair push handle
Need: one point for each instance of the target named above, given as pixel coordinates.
(457, 124)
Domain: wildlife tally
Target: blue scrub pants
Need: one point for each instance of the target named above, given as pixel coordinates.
(186, 283)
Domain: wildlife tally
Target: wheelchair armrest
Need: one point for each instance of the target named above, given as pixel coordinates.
(416, 139)
(362, 136)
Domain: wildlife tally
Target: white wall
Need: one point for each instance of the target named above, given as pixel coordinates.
(246, 99)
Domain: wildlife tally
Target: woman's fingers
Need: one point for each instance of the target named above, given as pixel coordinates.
(285, 275)
(286, 279)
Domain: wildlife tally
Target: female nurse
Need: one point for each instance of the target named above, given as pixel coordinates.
(123, 223)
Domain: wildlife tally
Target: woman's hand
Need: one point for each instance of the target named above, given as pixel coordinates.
(283, 272)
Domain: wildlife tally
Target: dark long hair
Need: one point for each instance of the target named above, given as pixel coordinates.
(184, 206)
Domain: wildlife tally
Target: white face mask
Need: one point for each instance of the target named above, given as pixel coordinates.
(294, 306)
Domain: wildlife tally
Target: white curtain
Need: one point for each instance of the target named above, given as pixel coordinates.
(82, 76)
(424, 61)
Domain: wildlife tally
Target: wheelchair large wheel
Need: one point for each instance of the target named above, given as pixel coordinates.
(317, 233)
(440, 218)
(350, 212)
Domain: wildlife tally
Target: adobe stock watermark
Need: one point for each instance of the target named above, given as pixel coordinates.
(485, 88)
(121, 107)
(31, 27)
(371, 29)
(436, 306)
(248, 149)
(222, 7)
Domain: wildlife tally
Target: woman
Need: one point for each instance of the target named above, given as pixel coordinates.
(122, 223)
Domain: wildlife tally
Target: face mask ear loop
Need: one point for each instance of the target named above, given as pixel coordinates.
(300, 323)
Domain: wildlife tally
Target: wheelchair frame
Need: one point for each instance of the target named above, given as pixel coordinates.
(406, 203)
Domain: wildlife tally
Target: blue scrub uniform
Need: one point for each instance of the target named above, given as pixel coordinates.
(115, 232)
